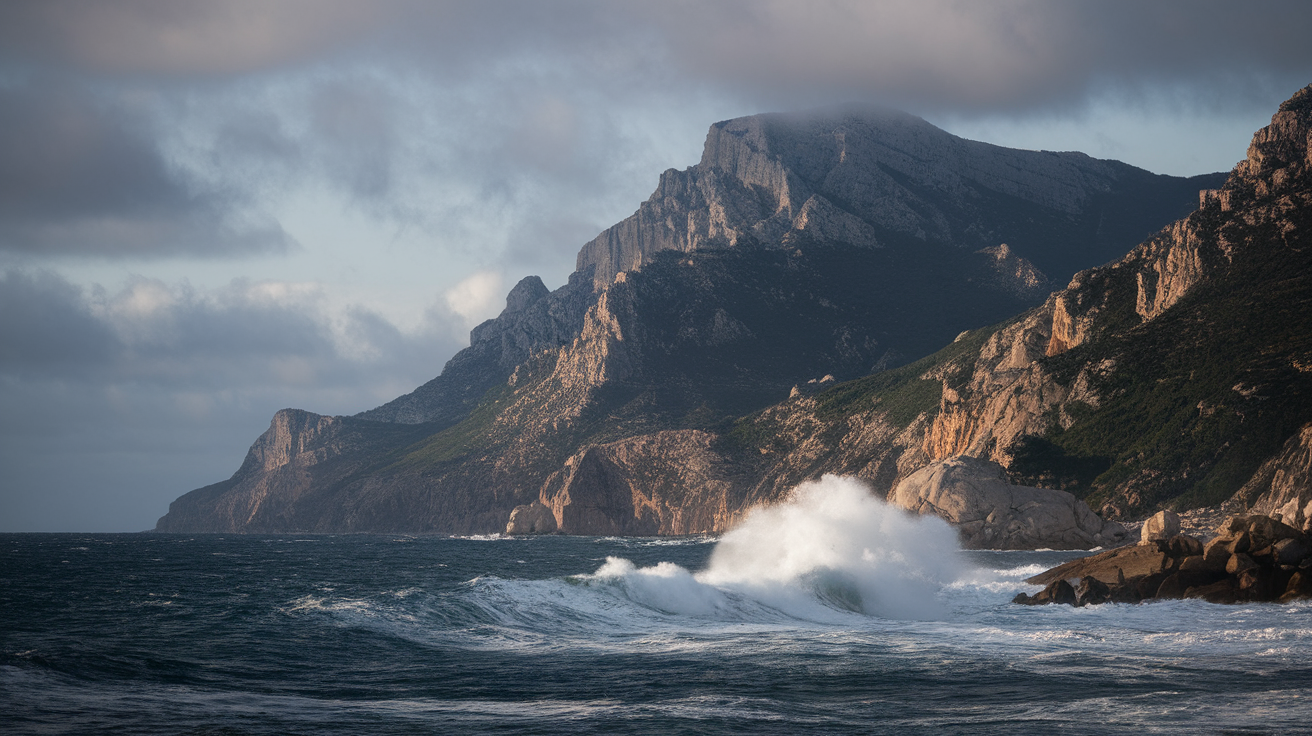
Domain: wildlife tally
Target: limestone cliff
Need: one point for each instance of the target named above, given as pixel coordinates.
(1282, 487)
(534, 319)
(800, 247)
(867, 177)
(1166, 378)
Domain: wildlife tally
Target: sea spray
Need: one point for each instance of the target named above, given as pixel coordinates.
(832, 545)
(850, 548)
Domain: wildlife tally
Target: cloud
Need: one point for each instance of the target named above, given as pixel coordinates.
(113, 403)
(941, 54)
(477, 297)
(186, 121)
(79, 175)
(178, 37)
(264, 335)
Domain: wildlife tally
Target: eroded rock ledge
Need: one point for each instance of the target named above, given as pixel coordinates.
(1253, 559)
(989, 512)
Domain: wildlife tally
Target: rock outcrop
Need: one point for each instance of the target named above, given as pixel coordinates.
(531, 518)
(534, 319)
(1282, 486)
(1198, 329)
(1160, 526)
(989, 512)
(869, 177)
(1254, 558)
(630, 487)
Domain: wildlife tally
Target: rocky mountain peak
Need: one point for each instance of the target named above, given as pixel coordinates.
(526, 292)
(1300, 101)
(871, 178)
(1282, 150)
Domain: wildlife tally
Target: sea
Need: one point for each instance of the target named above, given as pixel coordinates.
(829, 614)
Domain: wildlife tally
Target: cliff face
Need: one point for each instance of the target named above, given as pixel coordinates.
(274, 488)
(1282, 487)
(533, 319)
(1177, 376)
(870, 177)
(799, 248)
(1174, 376)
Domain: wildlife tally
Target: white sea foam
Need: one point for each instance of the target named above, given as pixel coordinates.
(831, 547)
(845, 545)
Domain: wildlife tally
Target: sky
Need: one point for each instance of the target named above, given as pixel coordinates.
(214, 209)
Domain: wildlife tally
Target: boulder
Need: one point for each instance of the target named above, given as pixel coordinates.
(1299, 587)
(1290, 551)
(1060, 591)
(531, 518)
(1255, 558)
(990, 512)
(1162, 525)
(1116, 566)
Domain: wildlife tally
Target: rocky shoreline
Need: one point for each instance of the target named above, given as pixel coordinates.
(1250, 559)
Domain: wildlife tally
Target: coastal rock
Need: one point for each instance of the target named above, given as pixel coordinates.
(842, 242)
(1089, 360)
(1161, 525)
(1282, 486)
(990, 512)
(531, 518)
(632, 487)
(1223, 571)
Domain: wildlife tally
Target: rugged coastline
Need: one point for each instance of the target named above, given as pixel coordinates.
(673, 398)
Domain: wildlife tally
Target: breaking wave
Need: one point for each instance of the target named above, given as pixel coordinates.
(831, 552)
(831, 547)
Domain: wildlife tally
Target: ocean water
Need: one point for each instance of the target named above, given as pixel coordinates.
(832, 614)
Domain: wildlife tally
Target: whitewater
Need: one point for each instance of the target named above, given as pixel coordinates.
(830, 613)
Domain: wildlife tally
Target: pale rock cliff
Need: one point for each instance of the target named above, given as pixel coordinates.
(534, 319)
(861, 177)
(278, 472)
(989, 512)
(1282, 487)
(1011, 393)
(632, 487)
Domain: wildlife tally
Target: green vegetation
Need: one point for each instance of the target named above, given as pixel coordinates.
(901, 393)
(1199, 396)
(458, 441)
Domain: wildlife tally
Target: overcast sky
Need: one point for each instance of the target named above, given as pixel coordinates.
(211, 210)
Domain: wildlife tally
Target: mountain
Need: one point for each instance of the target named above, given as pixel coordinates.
(802, 251)
(1179, 376)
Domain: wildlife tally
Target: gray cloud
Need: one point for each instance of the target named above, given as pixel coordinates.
(248, 334)
(940, 54)
(78, 174)
(114, 403)
(46, 327)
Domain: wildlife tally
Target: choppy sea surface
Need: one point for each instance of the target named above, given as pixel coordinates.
(836, 628)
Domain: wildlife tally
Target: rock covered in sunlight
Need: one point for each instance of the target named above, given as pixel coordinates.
(1161, 525)
(531, 518)
(989, 512)
(1253, 559)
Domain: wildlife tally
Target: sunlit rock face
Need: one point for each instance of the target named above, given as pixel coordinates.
(870, 177)
(990, 512)
(1282, 487)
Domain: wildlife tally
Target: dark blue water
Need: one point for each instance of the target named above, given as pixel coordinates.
(378, 634)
